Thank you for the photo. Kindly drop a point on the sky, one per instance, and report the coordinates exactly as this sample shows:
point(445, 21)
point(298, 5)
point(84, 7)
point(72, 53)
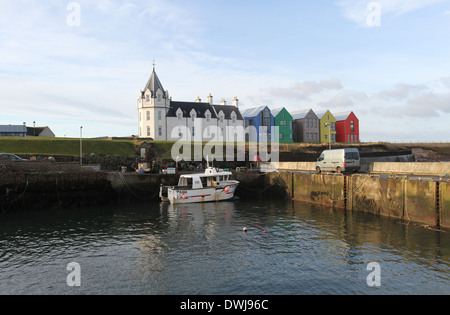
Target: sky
point(66, 64)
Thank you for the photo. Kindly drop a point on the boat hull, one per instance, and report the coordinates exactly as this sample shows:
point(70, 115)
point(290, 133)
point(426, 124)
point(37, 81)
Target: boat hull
point(208, 194)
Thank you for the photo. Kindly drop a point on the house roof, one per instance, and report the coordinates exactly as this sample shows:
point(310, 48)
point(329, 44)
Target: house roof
point(252, 112)
point(187, 107)
point(300, 114)
point(13, 128)
point(342, 116)
point(276, 111)
point(322, 113)
point(228, 110)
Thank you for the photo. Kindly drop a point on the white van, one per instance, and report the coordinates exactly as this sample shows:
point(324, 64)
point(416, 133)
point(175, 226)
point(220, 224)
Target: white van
point(341, 160)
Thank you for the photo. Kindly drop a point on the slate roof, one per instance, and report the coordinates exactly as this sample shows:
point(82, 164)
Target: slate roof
point(228, 110)
point(154, 84)
point(187, 107)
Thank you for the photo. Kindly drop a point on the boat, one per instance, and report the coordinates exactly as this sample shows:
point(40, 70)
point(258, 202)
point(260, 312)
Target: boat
point(212, 185)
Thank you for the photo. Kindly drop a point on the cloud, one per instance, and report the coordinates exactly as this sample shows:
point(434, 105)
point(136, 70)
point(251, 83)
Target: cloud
point(417, 100)
point(358, 10)
point(304, 90)
point(402, 91)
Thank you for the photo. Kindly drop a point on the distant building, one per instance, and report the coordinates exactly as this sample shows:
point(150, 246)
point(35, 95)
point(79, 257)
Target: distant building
point(283, 120)
point(347, 127)
point(258, 122)
point(305, 126)
point(40, 132)
point(327, 124)
point(19, 131)
point(162, 119)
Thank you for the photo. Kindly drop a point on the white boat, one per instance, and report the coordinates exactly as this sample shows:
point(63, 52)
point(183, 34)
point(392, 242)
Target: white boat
point(213, 185)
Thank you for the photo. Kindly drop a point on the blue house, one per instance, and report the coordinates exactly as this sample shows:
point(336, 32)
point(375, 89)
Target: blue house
point(262, 120)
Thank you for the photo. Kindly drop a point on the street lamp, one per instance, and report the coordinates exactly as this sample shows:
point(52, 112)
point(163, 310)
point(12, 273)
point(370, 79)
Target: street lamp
point(329, 135)
point(81, 145)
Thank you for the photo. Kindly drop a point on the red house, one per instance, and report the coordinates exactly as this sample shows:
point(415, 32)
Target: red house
point(347, 127)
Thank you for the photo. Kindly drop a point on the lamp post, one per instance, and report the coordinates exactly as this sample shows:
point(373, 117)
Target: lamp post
point(329, 135)
point(81, 145)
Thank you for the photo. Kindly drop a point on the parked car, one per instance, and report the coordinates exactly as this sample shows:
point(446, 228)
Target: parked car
point(340, 160)
point(11, 157)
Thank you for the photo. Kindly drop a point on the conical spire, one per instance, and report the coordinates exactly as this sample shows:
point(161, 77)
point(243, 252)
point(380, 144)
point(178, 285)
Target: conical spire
point(153, 83)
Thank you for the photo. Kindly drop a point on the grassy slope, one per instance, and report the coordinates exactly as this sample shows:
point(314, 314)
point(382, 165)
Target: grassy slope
point(66, 146)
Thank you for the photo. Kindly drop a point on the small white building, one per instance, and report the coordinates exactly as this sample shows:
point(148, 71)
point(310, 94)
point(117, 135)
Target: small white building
point(162, 119)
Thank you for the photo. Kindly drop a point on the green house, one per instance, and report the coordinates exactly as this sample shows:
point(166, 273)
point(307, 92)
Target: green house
point(283, 120)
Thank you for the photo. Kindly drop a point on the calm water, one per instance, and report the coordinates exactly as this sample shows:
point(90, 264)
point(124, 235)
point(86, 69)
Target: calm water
point(202, 249)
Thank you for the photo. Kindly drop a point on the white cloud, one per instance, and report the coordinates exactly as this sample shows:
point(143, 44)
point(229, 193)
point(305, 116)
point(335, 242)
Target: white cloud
point(304, 90)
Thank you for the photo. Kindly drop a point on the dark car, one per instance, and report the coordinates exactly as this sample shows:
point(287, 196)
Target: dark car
point(11, 157)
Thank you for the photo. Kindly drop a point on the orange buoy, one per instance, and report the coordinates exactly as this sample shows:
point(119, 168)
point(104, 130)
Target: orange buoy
point(184, 197)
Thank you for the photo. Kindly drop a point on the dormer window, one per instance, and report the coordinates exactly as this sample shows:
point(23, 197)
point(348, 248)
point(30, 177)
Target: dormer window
point(147, 98)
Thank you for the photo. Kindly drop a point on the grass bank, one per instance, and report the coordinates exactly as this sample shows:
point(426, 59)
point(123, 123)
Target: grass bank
point(67, 146)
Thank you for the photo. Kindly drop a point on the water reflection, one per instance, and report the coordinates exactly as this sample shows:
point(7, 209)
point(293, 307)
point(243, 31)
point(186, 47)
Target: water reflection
point(289, 248)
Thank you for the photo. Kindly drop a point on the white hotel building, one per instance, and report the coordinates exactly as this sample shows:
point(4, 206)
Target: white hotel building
point(161, 119)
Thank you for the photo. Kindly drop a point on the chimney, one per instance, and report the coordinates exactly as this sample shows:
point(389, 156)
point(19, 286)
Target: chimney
point(198, 100)
point(223, 102)
point(236, 102)
point(210, 99)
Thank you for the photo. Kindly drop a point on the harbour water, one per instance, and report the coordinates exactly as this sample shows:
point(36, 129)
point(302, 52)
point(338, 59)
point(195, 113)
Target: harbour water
point(290, 248)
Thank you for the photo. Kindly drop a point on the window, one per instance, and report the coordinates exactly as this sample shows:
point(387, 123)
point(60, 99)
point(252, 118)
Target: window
point(148, 115)
point(193, 131)
point(147, 98)
point(348, 139)
point(283, 123)
point(221, 118)
point(179, 132)
point(352, 126)
point(159, 115)
point(179, 115)
point(233, 119)
point(193, 117)
point(307, 136)
point(208, 117)
point(159, 97)
point(159, 131)
point(148, 132)
point(281, 136)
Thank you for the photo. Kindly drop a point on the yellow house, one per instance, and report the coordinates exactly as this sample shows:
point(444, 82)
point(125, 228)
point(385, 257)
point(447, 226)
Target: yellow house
point(327, 124)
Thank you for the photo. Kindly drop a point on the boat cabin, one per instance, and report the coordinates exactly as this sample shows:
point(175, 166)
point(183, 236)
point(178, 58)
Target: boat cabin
point(210, 178)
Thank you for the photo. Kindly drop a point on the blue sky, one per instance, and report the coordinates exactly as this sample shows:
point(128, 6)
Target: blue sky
point(318, 54)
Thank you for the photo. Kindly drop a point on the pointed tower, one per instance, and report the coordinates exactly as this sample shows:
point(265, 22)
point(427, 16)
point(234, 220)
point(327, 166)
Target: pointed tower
point(153, 104)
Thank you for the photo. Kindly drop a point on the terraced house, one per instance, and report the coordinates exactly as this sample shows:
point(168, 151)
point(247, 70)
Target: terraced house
point(283, 120)
point(327, 126)
point(306, 126)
